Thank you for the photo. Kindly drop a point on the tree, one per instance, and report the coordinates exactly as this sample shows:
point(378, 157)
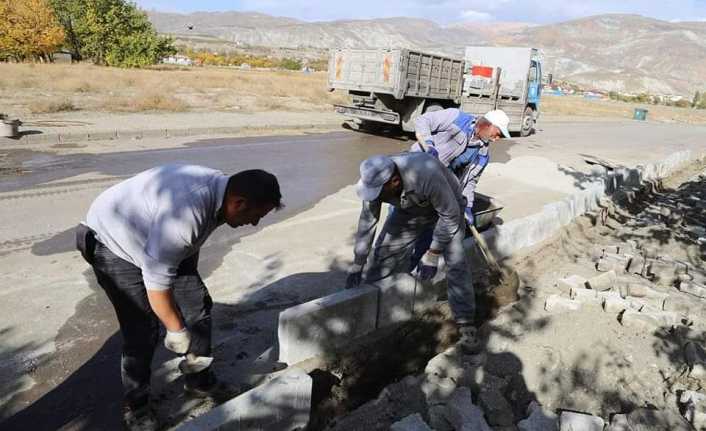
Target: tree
point(697, 100)
point(111, 32)
point(29, 30)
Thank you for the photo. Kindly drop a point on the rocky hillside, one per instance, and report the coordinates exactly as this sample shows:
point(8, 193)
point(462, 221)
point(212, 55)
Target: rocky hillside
point(628, 53)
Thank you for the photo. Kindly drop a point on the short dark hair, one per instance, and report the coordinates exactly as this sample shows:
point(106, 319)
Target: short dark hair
point(257, 186)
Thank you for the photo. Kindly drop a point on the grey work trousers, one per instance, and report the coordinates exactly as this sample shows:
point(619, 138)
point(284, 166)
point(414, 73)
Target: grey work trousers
point(394, 252)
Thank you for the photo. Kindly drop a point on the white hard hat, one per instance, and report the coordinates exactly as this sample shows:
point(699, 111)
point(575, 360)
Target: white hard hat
point(499, 119)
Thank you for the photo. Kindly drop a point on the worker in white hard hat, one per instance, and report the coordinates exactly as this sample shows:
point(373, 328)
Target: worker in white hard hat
point(461, 142)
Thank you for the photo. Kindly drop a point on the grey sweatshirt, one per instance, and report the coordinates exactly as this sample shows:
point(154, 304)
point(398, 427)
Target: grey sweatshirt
point(429, 188)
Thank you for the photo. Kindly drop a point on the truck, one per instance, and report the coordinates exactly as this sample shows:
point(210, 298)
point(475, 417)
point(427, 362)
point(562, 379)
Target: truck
point(394, 86)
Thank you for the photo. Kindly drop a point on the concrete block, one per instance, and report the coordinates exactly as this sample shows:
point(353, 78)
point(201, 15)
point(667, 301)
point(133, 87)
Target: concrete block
point(558, 304)
point(538, 419)
point(573, 281)
point(497, 409)
point(449, 363)
point(640, 290)
point(619, 423)
point(693, 288)
point(570, 421)
point(661, 271)
point(682, 307)
point(614, 262)
point(648, 319)
point(283, 403)
point(695, 358)
point(615, 305)
point(438, 390)
point(605, 281)
point(693, 407)
point(583, 295)
point(479, 379)
point(411, 423)
point(602, 296)
point(637, 264)
point(650, 419)
point(462, 414)
point(401, 296)
point(319, 327)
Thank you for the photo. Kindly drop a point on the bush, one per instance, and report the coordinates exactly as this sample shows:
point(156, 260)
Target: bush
point(290, 64)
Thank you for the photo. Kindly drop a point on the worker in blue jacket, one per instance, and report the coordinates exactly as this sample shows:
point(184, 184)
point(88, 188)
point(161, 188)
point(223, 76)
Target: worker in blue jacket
point(461, 141)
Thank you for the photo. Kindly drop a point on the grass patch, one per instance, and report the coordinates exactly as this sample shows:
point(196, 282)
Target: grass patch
point(154, 101)
point(577, 106)
point(52, 106)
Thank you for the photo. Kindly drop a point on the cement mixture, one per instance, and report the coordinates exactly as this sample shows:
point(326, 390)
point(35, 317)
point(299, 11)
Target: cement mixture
point(609, 329)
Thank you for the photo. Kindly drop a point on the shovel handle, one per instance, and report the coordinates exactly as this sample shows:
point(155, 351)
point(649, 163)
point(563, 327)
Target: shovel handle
point(484, 249)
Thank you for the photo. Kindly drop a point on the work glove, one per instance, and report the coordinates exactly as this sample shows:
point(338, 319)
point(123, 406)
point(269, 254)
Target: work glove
point(428, 265)
point(355, 276)
point(178, 341)
point(430, 148)
point(468, 215)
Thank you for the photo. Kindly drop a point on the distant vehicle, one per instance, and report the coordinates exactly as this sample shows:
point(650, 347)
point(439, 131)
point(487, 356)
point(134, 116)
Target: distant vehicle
point(394, 86)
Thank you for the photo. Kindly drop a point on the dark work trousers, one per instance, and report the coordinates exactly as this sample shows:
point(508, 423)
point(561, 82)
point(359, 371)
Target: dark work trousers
point(122, 282)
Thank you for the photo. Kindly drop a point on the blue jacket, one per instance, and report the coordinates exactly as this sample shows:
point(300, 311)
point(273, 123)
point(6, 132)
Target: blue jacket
point(451, 130)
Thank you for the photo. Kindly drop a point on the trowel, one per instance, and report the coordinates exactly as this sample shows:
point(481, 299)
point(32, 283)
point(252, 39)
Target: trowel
point(193, 364)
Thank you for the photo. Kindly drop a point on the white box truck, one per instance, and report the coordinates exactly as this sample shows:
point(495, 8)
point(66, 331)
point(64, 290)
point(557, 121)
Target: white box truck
point(394, 86)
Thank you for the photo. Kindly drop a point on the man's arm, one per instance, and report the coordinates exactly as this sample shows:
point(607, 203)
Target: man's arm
point(367, 224)
point(163, 305)
point(433, 122)
point(442, 197)
point(168, 244)
point(422, 128)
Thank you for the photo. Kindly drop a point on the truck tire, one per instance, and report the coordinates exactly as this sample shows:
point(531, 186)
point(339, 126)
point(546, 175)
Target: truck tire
point(527, 122)
point(432, 107)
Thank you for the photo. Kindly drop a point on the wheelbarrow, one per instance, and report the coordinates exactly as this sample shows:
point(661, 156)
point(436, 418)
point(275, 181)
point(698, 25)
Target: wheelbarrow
point(485, 209)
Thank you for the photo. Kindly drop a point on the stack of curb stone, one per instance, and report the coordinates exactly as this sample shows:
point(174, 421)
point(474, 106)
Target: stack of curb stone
point(641, 288)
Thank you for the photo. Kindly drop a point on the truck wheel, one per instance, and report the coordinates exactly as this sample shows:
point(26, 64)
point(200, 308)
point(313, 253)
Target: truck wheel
point(432, 107)
point(527, 122)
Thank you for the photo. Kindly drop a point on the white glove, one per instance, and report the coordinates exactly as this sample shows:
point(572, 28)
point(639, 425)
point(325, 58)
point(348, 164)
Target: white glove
point(178, 342)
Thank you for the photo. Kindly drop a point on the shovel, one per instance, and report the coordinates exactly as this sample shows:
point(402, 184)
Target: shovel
point(193, 364)
point(505, 282)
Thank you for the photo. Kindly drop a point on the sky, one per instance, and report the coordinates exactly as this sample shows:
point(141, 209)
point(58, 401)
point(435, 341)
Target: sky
point(444, 11)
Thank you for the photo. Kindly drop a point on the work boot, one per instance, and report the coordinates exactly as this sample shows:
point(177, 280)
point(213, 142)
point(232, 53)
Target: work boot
point(469, 342)
point(206, 385)
point(140, 418)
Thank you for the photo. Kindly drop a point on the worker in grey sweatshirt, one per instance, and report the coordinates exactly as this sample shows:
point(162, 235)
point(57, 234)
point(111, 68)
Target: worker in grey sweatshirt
point(461, 141)
point(425, 195)
point(142, 237)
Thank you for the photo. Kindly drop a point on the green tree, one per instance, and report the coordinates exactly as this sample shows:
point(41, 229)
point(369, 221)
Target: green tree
point(111, 32)
point(697, 99)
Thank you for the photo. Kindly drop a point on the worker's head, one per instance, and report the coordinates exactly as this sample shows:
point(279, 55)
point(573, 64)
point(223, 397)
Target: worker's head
point(250, 195)
point(492, 126)
point(379, 179)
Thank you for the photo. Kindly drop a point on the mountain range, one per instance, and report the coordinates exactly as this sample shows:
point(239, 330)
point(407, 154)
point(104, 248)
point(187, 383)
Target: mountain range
point(617, 52)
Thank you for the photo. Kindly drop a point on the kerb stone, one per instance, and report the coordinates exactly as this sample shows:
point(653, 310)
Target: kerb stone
point(318, 327)
point(283, 403)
